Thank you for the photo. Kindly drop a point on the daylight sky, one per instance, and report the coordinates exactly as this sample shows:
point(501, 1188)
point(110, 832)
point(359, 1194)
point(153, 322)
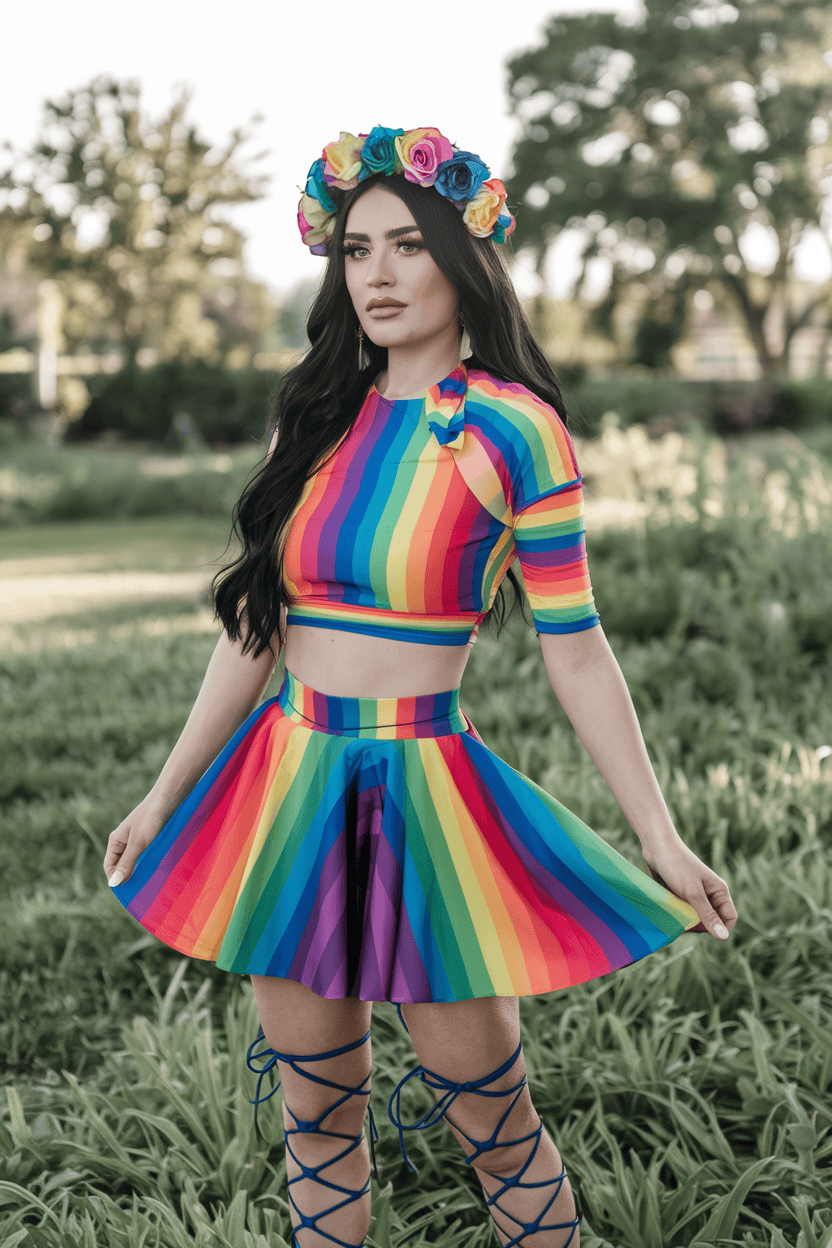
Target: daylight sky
point(311, 70)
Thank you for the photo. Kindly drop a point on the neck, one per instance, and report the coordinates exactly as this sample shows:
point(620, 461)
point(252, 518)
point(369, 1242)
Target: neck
point(411, 370)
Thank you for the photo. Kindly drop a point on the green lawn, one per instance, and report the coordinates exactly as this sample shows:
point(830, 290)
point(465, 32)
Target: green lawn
point(690, 1094)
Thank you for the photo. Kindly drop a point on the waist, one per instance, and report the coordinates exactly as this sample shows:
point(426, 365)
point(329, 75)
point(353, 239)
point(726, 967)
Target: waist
point(446, 629)
point(354, 664)
point(423, 715)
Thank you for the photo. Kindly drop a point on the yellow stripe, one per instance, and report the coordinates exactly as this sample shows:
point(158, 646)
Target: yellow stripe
point(482, 895)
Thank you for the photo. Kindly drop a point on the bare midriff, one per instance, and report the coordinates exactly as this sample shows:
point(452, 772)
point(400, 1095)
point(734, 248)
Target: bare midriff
point(355, 665)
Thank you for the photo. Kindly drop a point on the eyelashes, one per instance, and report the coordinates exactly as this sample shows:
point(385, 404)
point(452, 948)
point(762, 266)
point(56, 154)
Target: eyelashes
point(351, 249)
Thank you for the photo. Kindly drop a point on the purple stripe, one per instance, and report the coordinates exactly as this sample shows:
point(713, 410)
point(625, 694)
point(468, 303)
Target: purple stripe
point(550, 558)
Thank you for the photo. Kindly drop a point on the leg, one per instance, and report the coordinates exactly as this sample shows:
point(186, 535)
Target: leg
point(472, 1059)
point(322, 1051)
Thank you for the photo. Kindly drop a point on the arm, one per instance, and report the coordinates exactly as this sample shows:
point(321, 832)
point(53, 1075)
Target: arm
point(232, 688)
point(590, 686)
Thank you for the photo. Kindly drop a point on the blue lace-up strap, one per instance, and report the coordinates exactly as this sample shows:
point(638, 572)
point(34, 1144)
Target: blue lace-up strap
point(267, 1059)
point(450, 1091)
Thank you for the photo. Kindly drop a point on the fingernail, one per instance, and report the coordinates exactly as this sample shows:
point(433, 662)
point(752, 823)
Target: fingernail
point(117, 876)
point(722, 932)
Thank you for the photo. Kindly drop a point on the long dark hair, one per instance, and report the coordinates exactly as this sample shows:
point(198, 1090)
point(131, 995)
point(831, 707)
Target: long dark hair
point(320, 398)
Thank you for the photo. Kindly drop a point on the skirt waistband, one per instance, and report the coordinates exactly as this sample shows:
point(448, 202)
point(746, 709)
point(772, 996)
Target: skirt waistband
point(424, 715)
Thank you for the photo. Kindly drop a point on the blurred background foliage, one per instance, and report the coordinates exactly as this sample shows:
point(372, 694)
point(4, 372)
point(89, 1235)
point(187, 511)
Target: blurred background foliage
point(691, 148)
point(126, 214)
point(667, 140)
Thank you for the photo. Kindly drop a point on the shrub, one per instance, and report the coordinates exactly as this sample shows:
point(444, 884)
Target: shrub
point(651, 400)
point(223, 405)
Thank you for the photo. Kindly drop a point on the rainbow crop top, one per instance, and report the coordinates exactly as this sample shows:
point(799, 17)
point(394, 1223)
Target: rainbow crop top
point(412, 523)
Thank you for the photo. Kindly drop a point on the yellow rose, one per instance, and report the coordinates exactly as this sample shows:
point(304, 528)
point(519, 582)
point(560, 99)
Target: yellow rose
point(315, 223)
point(482, 212)
point(343, 160)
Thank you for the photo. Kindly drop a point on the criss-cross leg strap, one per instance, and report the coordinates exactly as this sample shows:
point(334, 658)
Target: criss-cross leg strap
point(268, 1058)
point(450, 1091)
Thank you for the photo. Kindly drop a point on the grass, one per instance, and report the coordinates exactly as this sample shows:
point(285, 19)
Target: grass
point(690, 1094)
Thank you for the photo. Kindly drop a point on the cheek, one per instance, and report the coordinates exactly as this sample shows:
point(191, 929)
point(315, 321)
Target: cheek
point(436, 294)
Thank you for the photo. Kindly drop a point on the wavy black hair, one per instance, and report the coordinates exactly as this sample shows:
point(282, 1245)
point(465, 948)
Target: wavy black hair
point(320, 398)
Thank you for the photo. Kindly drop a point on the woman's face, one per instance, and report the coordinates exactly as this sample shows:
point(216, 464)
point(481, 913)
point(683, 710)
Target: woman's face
point(387, 264)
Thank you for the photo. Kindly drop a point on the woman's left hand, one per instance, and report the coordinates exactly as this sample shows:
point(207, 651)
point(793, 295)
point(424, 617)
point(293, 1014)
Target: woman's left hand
point(678, 869)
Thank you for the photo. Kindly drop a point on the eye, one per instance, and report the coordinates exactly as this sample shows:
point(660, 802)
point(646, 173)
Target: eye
point(352, 249)
point(413, 243)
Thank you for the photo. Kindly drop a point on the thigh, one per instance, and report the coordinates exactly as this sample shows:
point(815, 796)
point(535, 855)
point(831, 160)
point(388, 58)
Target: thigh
point(299, 1022)
point(468, 1040)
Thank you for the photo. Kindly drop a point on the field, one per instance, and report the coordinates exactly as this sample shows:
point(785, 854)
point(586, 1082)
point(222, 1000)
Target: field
point(690, 1094)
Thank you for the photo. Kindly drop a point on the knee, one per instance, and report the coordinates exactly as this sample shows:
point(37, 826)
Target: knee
point(509, 1152)
point(489, 1144)
point(316, 1114)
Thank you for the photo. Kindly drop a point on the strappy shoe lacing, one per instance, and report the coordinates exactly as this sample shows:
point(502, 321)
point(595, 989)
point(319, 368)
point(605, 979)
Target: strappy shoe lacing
point(450, 1091)
point(268, 1058)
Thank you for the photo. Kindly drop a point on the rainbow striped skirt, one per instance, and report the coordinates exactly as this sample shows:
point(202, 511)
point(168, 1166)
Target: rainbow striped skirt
point(376, 848)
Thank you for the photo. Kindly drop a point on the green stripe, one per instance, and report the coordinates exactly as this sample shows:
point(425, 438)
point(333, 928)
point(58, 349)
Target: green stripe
point(457, 939)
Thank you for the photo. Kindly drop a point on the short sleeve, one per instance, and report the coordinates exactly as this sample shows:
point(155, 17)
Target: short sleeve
point(548, 518)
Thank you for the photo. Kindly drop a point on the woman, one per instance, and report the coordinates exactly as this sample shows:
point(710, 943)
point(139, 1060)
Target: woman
point(354, 840)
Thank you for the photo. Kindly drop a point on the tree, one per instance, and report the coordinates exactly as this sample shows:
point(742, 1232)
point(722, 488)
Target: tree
point(673, 142)
point(126, 215)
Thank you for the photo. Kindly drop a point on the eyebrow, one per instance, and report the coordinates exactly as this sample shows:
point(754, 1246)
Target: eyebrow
point(402, 229)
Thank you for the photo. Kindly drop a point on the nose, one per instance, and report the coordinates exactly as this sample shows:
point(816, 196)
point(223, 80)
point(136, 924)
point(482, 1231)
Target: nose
point(379, 272)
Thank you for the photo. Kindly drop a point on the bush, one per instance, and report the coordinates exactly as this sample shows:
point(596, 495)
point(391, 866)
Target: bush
point(223, 405)
point(724, 407)
point(653, 401)
point(806, 403)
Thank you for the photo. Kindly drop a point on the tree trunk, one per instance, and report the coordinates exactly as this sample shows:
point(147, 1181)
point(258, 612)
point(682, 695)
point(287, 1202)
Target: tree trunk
point(772, 367)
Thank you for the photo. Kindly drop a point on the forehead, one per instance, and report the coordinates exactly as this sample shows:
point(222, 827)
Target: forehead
point(378, 211)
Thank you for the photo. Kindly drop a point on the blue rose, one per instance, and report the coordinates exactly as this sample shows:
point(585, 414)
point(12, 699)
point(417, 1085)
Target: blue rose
point(460, 178)
point(379, 155)
point(503, 226)
point(317, 187)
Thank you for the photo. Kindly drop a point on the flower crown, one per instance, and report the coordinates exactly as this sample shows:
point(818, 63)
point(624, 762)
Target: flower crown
point(424, 156)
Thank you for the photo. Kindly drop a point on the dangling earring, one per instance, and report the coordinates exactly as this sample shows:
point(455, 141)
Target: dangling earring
point(363, 354)
point(465, 348)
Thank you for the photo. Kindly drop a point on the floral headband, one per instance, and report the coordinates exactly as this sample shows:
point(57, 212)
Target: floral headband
point(424, 156)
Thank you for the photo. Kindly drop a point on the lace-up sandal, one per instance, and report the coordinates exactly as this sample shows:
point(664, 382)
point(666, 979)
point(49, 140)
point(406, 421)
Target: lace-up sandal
point(450, 1091)
point(263, 1062)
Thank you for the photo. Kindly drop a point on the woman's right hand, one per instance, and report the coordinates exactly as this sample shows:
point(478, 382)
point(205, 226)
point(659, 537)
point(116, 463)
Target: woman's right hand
point(132, 835)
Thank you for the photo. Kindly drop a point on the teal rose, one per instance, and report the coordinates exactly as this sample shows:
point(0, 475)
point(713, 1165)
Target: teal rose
point(317, 188)
point(379, 154)
point(459, 178)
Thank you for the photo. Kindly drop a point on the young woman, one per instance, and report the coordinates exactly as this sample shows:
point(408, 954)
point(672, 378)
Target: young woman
point(353, 839)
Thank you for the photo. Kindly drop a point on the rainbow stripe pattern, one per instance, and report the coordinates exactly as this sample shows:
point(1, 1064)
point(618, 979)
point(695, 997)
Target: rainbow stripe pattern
point(376, 848)
point(410, 526)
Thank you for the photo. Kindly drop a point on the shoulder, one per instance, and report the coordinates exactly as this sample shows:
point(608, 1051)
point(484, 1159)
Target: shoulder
point(527, 432)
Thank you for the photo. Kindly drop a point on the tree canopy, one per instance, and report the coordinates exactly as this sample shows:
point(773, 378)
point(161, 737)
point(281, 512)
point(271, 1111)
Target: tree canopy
point(672, 142)
point(126, 213)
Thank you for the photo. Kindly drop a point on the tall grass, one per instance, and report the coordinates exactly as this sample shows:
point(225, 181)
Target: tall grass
point(690, 1094)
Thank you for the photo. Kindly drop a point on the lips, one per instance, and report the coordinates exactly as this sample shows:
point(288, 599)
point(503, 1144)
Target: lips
point(384, 303)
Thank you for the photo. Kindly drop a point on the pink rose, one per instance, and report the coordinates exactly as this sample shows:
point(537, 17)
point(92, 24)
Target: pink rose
point(421, 152)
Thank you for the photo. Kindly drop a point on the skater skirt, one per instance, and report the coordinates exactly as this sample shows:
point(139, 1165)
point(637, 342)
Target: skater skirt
point(376, 848)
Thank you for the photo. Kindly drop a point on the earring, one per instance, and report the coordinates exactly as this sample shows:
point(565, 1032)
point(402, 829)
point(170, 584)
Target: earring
point(465, 348)
point(363, 355)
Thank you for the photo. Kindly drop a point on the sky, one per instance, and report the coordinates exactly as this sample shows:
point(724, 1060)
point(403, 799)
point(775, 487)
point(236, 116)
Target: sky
point(310, 69)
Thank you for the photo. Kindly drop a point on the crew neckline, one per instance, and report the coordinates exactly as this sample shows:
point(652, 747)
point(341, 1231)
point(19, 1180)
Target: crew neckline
point(419, 394)
point(400, 398)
